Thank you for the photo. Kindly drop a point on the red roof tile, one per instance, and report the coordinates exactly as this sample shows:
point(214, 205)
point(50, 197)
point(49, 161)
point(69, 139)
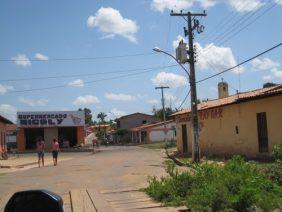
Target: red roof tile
point(145, 126)
point(236, 98)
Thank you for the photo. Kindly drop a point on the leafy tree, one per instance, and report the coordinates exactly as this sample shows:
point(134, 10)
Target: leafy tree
point(268, 84)
point(88, 115)
point(159, 113)
point(102, 117)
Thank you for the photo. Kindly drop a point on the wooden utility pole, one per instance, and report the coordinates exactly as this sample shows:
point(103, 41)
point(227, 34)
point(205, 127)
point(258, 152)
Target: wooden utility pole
point(192, 79)
point(163, 104)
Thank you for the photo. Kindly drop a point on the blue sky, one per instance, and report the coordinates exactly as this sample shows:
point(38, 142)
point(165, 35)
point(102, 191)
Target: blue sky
point(50, 30)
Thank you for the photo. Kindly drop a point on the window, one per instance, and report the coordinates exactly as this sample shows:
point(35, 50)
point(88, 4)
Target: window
point(144, 121)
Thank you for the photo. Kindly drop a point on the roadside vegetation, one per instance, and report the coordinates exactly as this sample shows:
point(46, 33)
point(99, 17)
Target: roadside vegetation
point(159, 145)
point(235, 186)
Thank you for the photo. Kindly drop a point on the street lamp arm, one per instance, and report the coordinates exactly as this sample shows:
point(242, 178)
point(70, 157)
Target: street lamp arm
point(159, 50)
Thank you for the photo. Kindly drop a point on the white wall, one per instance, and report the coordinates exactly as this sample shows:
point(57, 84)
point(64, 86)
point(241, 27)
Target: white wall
point(157, 135)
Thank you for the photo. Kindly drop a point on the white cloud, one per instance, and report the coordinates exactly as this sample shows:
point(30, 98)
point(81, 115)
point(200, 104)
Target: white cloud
point(276, 73)
point(216, 57)
point(177, 5)
point(111, 22)
point(175, 43)
point(162, 5)
point(207, 3)
point(119, 97)
point(87, 99)
point(278, 1)
point(169, 97)
point(21, 60)
point(5, 88)
point(153, 101)
point(267, 78)
point(33, 102)
point(264, 64)
point(117, 113)
point(245, 5)
point(8, 111)
point(169, 79)
point(76, 83)
point(40, 56)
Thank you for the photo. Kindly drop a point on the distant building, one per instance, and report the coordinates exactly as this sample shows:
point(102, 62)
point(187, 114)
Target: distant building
point(65, 126)
point(4, 128)
point(101, 127)
point(134, 120)
point(247, 123)
point(149, 133)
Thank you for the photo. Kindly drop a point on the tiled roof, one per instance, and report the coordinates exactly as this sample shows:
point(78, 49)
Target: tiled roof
point(4, 120)
point(145, 126)
point(236, 98)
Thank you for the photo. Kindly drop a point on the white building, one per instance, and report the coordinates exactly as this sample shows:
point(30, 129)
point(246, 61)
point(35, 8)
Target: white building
point(148, 133)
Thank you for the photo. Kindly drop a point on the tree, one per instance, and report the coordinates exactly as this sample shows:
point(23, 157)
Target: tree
point(88, 115)
point(159, 113)
point(268, 84)
point(102, 117)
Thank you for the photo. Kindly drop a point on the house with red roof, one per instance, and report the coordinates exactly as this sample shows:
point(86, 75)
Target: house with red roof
point(247, 123)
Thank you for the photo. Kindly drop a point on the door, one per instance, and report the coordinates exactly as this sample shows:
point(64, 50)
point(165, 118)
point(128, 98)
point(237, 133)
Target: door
point(262, 132)
point(184, 138)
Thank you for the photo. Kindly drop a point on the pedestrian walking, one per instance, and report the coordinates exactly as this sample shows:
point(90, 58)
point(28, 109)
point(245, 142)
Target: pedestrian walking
point(40, 150)
point(55, 151)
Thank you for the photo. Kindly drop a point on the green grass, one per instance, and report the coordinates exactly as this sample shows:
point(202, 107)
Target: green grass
point(158, 145)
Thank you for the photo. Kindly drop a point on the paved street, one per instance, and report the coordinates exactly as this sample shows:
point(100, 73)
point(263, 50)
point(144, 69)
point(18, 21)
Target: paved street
point(112, 169)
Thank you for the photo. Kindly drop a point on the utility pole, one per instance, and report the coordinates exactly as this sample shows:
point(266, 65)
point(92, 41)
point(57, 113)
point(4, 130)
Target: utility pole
point(189, 17)
point(163, 104)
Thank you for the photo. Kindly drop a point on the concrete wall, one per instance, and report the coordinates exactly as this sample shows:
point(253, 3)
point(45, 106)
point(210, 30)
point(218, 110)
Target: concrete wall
point(135, 120)
point(50, 133)
point(158, 134)
point(218, 128)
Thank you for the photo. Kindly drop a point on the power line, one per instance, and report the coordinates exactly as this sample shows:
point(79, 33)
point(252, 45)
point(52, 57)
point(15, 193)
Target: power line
point(184, 100)
point(78, 58)
point(227, 19)
point(241, 21)
point(248, 60)
point(87, 82)
point(228, 36)
point(248, 24)
point(84, 75)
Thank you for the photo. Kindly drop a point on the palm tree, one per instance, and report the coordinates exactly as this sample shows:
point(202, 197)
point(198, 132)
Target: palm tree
point(102, 117)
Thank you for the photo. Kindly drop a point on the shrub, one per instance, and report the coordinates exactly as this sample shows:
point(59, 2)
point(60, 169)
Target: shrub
point(236, 186)
point(277, 152)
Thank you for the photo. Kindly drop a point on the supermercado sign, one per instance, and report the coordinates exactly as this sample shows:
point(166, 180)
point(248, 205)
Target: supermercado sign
point(50, 119)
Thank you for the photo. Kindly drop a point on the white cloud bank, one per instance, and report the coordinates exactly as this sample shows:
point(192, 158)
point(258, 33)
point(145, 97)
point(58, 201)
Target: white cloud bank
point(5, 88)
point(117, 113)
point(264, 64)
point(8, 111)
point(76, 83)
point(110, 22)
point(217, 58)
point(169, 79)
point(40, 56)
point(21, 60)
point(152, 101)
point(33, 102)
point(177, 5)
point(86, 100)
point(119, 97)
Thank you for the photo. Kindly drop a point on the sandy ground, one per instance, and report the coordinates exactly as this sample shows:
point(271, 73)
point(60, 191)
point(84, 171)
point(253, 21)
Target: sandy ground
point(112, 168)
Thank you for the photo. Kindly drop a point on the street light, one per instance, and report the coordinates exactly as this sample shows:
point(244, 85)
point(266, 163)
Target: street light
point(157, 49)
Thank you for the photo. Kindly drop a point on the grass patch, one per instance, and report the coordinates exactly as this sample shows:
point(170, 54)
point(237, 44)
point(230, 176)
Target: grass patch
point(235, 186)
point(159, 145)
